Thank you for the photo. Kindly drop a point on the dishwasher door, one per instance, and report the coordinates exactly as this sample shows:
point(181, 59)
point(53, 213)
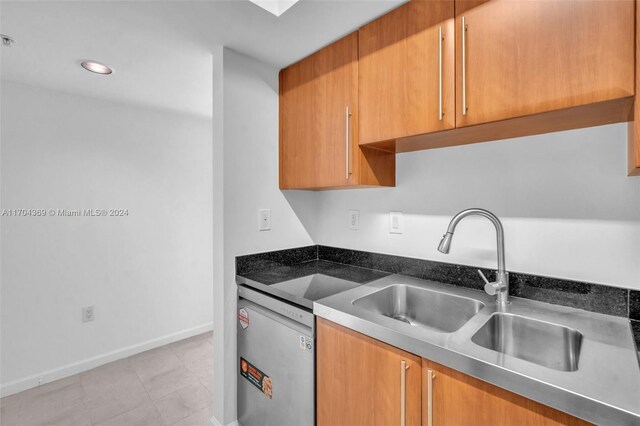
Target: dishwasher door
point(276, 367)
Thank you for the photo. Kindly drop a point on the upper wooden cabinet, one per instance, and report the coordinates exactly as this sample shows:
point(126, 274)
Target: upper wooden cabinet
point(361, 381)
point(406, 72)
point(451, 398)
point(525, 57)
point(319, 124)
point(525, 67)
point(419, 78)
point(633, 156)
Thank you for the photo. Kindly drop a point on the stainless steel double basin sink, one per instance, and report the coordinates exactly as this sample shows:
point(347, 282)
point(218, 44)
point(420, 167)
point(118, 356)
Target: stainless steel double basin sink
point(543, 343)
point(580, 362)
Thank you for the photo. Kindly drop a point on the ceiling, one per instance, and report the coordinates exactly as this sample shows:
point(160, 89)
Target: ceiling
point(160, 50)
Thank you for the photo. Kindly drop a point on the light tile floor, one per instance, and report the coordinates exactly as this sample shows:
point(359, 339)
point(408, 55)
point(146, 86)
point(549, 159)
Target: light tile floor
point(168, 386)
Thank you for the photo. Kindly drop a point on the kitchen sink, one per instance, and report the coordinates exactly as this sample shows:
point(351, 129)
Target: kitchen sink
point(420, 307)
point(543, 343)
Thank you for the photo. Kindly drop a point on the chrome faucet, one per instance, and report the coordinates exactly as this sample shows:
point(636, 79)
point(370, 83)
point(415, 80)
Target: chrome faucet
point(501, 286)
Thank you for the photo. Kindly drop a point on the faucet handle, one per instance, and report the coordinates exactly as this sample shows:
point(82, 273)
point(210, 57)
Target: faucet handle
point(492, 288)
point(486, 281)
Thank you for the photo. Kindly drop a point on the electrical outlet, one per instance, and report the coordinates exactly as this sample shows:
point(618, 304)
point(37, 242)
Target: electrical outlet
point(396, 225)
point(354, 219)
point(88, 314)
point(265, 220)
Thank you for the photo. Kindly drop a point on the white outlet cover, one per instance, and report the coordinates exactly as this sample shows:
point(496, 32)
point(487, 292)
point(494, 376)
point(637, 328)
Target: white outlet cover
point(354, 219)
point(265, 220)
point(396, 223)
point(88, 314)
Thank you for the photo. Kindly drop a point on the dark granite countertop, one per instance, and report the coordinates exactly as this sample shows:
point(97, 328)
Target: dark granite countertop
point(302, 283)
point(275, 266)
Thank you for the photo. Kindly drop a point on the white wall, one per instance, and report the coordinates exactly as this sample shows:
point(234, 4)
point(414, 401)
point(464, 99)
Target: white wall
point(149, 274)
point(246, 180)
point(567, 206)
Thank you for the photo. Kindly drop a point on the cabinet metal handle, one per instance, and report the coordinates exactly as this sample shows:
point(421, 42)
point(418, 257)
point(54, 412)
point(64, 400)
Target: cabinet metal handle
point(347, 145)
point(403, 392)
point(430, 377)
point(464, 66)
point(440, 38)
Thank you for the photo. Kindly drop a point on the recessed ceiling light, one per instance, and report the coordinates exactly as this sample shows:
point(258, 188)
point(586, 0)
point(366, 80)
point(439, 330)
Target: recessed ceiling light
point(96, 67)
point(7, 40)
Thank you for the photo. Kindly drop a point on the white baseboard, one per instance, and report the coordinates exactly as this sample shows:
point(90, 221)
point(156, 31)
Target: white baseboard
point(215, 422)
point(96, 361)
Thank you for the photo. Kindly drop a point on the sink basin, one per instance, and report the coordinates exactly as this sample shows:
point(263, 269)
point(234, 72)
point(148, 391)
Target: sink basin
point(543, 343)
point(420, 307)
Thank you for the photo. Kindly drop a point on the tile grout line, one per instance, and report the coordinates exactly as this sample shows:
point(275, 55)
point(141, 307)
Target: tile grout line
point(147, 393)
point(191, 372)
point(134, 408)
point(185, 367)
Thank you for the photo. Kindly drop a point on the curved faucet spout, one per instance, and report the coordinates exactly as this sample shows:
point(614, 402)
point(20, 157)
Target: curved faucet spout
point(501, 286)
point(484, 213)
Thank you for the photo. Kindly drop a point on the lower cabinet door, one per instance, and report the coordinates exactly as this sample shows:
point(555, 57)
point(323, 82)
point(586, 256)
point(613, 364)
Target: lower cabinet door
point(452, 398)
point(362, 381)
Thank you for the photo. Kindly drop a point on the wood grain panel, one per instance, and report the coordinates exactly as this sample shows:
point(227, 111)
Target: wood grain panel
point(358, 380)
point(399, 71)
point(461, 400)
point(633, 133)
point(314, 95)
point(525, 57)
point(377, 168)
point(614, 111)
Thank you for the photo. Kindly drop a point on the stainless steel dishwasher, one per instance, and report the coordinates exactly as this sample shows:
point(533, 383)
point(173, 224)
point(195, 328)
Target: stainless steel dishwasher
point(276, 365)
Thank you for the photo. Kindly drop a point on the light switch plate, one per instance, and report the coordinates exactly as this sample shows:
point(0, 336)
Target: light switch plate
point(396, 223)
point(265, 220)
point(88, 314)
point(354, 219)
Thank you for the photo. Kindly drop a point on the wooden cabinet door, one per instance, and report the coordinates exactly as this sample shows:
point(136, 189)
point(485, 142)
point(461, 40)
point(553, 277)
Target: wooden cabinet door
point(406, 72)
point(633, 133)
point(522, 57)
point(315, 95)
point(461, 400)
point(359, 380)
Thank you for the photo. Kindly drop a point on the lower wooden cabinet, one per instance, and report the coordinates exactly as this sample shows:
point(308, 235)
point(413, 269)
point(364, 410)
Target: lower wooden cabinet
point(362, 381)
point(459, 400)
